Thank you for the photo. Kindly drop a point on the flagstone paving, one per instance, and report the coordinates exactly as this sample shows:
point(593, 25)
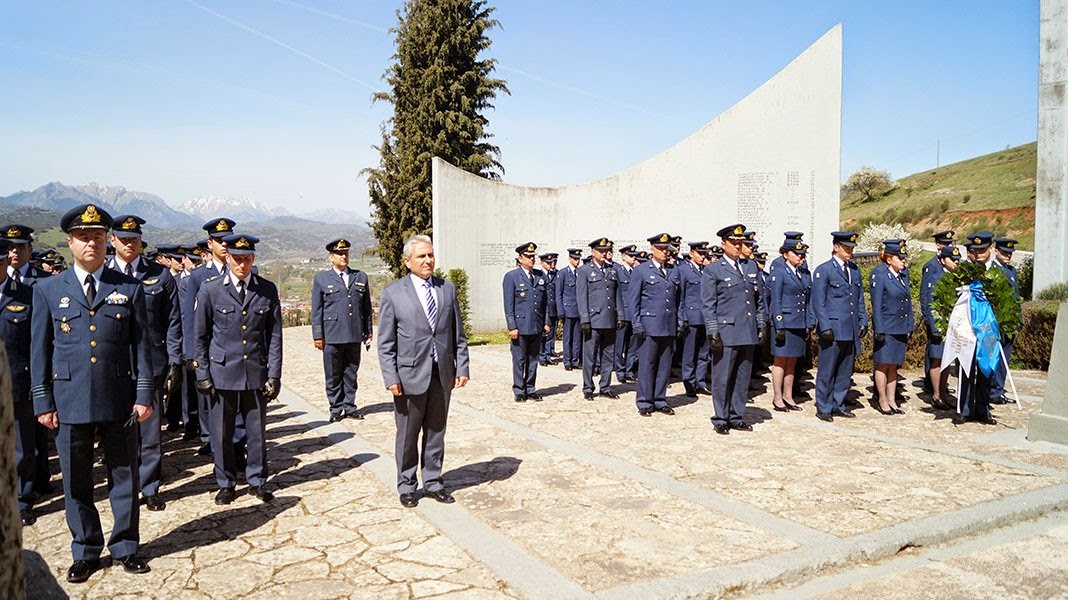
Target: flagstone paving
point(572, 498)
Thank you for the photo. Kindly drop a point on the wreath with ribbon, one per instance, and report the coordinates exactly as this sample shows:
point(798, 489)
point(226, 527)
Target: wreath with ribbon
point(996, 287)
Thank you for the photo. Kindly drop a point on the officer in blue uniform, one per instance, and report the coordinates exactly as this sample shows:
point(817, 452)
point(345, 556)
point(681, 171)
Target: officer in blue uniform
point(735, 322)
point(164, 327)
point(191, 413)
point(600, 306)
point(933, 269)
point(91, 377)
point(1003, 249)
point(626, 360)
point(790, 238)
point(949, 257)
point(214, 265)
point(837, 303)
point(341, 321)
point(172, 258)
point(974, 401)
point(526, 299)
point(548, 347)
point(238, 356)
point(567, 308)
point(653, 302)
point(16, 304)
point(789, 287)
point(22, 270)
point(892, 323)
point(696, 363)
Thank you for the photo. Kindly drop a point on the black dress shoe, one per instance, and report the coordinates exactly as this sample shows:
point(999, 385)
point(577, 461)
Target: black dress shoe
point(82, 569)
point(645, 412)
point(824, 417)
point(520, 398)
point(723, 429)
point(535, 397)
point(847, 414)
point(441, 495)
point(588, 396)
point(543, 363)
point(897, 411)
point(959, 419)
point(259, 492)
point(336, 418)
point(610, 394)
point(888, 411)
point(44, 489)
point(794, 407)
point(988, 421)
point(225, 496)
point(999, 400)
point(27, 517)
point(782, 408)
point(155, 503)
point(409, 500)
point(173, 427)
point(354, 415)
point(204, 450)
point(704, 392)
point(667, 410)
point(742, 426)
point(190, 435)
point(568, 367)
point(134, 564)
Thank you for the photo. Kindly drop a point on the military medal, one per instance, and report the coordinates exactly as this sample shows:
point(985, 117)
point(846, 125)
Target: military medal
point(64, 327)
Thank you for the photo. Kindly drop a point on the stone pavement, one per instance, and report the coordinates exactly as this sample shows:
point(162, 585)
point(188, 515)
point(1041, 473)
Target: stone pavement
point(570, 498)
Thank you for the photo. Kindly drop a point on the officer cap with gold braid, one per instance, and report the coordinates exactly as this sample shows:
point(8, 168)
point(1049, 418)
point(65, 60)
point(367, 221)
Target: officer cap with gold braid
point(219, 228)
point(574, 252)
point(980, 240)
point(950, 252)
point(662, 240)
point(944, 237)
point(527, 248)
point(601, 244)
point(698, 246)
point(127, 226)
point(241, 243)
point(17, 234)
point(845, 238)
point(340, 245)
point(1005, 244)
point(85, 216)
point(732, 232)
point(629, 250)
point(793, 245)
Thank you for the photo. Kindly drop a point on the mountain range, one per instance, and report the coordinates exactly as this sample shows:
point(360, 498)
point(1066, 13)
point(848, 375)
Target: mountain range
point(285, 234)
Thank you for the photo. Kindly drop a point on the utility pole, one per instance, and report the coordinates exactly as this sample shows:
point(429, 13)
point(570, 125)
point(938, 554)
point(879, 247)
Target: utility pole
point(938, 153)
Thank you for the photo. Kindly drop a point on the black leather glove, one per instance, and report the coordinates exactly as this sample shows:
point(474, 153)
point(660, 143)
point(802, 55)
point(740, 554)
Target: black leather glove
point(271, 387)
point(621, 324)
point(715, 342)
point(639, 337)
point(863, 330)
point(684, 328)
point(878, 338)
point(585, 327)
point(206, 386)
point(827, 336)
point(173, 380)
point(936, 338)
point(762, 336)
point(189, 364)
point(780, 337)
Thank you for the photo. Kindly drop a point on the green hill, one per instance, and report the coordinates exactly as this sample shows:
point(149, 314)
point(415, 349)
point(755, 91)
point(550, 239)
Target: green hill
point(995, 192)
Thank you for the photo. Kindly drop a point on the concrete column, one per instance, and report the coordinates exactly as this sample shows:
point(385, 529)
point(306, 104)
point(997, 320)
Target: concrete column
point(11, 582)
point(1051, 425)
point(1051, 202)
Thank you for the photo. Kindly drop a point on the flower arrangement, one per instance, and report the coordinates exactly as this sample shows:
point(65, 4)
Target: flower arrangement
point(996, 287)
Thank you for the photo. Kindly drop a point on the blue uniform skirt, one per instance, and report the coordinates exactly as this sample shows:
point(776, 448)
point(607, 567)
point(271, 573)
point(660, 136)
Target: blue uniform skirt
point(792, 347)
point(934, 351)
point(892, 350)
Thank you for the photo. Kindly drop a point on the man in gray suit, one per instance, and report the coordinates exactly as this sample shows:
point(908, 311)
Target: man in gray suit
point(423, 353)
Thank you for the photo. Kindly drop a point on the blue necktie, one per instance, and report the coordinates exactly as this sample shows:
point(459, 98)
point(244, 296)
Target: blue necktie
point(431, 315)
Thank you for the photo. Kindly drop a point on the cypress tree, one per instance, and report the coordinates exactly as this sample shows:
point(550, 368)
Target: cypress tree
point(439, 88)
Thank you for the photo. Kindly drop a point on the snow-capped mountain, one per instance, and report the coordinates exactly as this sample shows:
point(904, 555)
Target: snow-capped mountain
point(335, 215)
point(115, 199)
point(241, 209)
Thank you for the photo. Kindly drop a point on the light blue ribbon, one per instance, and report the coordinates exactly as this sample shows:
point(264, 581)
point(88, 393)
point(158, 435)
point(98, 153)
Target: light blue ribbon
point(987, 335)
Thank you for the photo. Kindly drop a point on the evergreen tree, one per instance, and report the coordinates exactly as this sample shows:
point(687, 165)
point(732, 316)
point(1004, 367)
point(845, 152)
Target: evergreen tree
point(438, 88)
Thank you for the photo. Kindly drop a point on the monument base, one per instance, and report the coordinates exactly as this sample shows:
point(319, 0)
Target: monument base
point(1051, 425)
point(1048, 428)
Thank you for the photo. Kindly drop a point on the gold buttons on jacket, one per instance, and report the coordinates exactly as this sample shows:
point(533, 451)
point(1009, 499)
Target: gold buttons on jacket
point(92, 313)
point(92, 344)
point(92, 360)
point(92, 328)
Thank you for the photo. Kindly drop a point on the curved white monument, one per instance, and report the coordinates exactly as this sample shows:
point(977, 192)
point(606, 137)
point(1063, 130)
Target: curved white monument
point(771, 161)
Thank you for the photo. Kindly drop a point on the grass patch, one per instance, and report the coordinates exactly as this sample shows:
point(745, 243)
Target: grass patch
point(483, 339)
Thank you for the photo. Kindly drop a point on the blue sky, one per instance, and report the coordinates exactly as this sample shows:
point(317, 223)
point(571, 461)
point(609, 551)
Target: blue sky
point(271, 98)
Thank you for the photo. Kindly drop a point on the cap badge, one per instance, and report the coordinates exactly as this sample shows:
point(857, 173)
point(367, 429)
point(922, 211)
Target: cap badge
point(664, 238)
point(222, 226)
point(129, 224)
point(949, 235)
point(342, 245)
point(977, 240)
point(14, 232)
point(90, 215)
point(241, 243)
point(739, 230)
point(853, 238)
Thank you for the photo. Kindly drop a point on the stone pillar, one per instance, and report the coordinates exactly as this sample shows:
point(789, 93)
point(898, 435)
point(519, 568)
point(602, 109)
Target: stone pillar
point(1051, 425)
point(1051, 200)
point(11, 582)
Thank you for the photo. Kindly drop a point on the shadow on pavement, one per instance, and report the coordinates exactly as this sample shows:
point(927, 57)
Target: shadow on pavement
point(40, 582)
point(217, 527)
point(560, 388)
point(498, 469)
point(381, 407)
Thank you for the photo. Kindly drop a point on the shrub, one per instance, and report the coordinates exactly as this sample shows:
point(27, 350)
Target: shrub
point(871, 237)
point(944, 206)
point(1035, 343)
point(1026, 277)
point(459, 278)
point(906, 216)
point(966, 199)
point(888, 216)
point(1057, 292)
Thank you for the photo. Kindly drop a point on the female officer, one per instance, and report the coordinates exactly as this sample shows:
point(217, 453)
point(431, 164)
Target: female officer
point(947, 260)
point(790, 286)
point(892, 322)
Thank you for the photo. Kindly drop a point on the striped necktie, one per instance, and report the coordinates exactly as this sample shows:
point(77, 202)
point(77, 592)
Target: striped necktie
point(431, 317)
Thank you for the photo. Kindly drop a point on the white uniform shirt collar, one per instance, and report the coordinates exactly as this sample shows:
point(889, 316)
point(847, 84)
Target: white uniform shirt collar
point(121, 264)
point(234, 279)
point(80, 273)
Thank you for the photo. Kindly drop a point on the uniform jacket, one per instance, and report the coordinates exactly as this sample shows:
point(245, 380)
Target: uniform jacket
point(931, 275)
point(238, 346)
point(1010, 274)
point(164, 313)
point(789, 290)
point(550, 293)
point(599, 295)
point(90, 363)
point(16, 306)
point(653, 300)
point(33, 275)
point(526, 301)
point(188, 299)
point(405, 338)
point(891, 304)
point(688, 277)
point(624, 275)
point(566, 296)
point(731, 304)
point(838, 303)
point(340, 315)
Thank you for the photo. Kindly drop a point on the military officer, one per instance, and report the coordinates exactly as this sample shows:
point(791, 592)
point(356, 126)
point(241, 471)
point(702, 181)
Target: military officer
point(974, 401)
point(695, 363)
point(238, 356)
point(548, 347)
point(837, 303)
point(91, 376)
point(16, 303)
point(215, 264)
point(788, 287)
point(567, 308)
point(341, 321)
point(600, 303)
point(1003, 249)
point(715, 252)
point(933, 269)
point(735, 323)
point(164, 328)
point(950, 257)
point(892, 323)
point(653, 303)
point(626, 360)
point(526, 299)
point(790, 238)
